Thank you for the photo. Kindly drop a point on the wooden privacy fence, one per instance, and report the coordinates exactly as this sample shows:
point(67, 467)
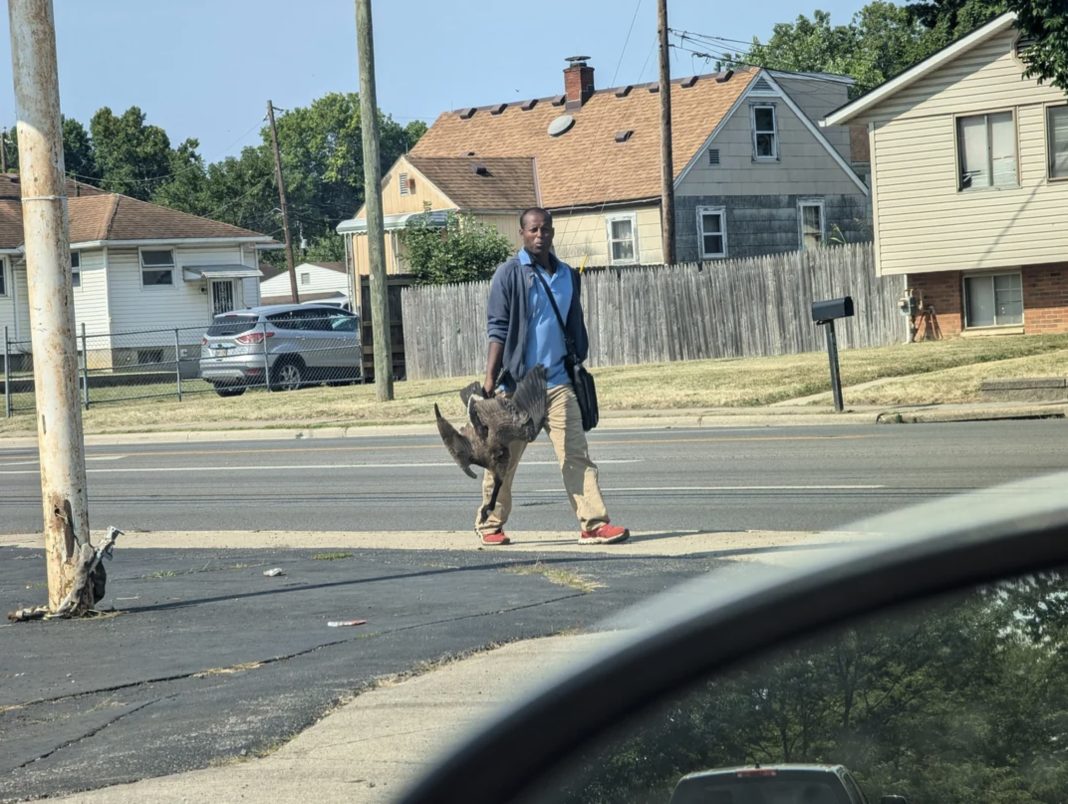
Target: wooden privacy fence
point(732, 308)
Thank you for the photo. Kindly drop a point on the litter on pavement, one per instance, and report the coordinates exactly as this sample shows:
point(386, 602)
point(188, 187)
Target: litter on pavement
point(343, 623)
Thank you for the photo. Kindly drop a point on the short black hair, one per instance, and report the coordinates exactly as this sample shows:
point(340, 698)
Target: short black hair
point(532, 210)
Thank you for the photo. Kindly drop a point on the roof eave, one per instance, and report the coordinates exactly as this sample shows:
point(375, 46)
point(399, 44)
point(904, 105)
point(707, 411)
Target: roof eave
point(875, 96)
point(174, 241)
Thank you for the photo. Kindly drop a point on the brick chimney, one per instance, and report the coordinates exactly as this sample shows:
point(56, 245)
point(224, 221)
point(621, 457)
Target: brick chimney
point(578, 82)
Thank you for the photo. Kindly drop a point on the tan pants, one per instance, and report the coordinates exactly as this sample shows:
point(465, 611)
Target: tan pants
point(564, 425)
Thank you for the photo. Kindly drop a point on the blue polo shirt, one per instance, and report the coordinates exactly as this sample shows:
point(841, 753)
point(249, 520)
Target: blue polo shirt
point(545, 337)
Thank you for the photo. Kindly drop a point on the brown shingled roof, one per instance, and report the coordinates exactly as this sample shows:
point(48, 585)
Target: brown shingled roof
point(587, 165)
point(501, 182)
point(97, 215)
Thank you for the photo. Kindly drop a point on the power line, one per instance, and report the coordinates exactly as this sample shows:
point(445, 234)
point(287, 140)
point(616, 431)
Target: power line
point(626, 42)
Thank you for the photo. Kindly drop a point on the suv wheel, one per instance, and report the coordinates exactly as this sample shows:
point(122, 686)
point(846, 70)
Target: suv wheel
point(286, 376)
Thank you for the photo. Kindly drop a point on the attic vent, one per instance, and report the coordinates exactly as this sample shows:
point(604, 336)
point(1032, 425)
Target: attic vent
point(530, 104)
point(560, 100)
point(762, 85)
point(654, 88)
point(470, 153)
point(499, 109)
point(481, 170)
point(689, 82)
point(1023, 44)
point(713, 156)
point(561, 125)
point(622, 92)
point(467, 114)
point(623, 136)
point(723, 79)
point(404, 184)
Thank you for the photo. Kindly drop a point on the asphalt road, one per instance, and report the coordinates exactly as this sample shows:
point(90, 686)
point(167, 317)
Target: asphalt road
point(783, 478)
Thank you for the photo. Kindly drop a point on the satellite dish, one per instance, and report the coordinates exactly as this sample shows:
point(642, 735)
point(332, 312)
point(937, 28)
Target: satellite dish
point(560, 125)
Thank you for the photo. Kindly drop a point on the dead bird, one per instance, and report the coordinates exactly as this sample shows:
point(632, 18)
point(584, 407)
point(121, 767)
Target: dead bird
point(494, 424)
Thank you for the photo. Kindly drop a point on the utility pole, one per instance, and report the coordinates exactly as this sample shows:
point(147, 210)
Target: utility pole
point(372, 185)
point(51, 300)
point(282, 200)
point(667, 171)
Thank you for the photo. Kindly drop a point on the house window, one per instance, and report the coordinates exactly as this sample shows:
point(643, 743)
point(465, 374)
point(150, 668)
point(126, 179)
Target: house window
point(993, 300)
point(3, 277)
point(157, 267)
point(712, 229)
point(986, 146)
point(305, 278)
point(622, 240)
point(404, 187)
point(810, 219)
point(1057, 125)
point(75, 269)
point(765, 134)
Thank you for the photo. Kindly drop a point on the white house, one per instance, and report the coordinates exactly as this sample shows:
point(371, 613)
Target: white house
point(316, 281)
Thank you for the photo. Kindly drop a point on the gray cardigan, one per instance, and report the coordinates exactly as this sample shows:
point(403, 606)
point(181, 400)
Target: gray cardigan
point(506, 313)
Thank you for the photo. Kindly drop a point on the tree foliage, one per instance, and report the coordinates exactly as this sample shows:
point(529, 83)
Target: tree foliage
point(465, 250)
point(1046, 23)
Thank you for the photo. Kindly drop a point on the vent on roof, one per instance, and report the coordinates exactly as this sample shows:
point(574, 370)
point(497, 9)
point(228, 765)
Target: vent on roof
point(467, 114)
point(559, 100)
point(623, 136)
point(470, 153)
point(622, 92)
point(654, 88)
point(762, 85)
point(725, 77)
point(713, 156)
point(499, 109)
point(561, 125)
point(689, 82)
point(530, 104)
point(481, 170)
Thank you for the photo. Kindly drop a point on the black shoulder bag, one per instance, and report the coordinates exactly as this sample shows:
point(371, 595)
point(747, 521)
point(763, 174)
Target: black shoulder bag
point(581, 380)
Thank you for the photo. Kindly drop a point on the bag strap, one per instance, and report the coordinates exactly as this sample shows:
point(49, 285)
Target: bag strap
point(568, 343)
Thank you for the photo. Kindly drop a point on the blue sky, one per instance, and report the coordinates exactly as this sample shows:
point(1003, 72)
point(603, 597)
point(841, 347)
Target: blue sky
point(206, 68)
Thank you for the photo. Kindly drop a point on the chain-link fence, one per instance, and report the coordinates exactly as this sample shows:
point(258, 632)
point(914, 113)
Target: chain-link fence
point(237, 352)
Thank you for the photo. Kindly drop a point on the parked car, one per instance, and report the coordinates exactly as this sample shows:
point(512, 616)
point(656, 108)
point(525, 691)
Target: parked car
point(283, 346)
point(758, 784)
point(929, 654)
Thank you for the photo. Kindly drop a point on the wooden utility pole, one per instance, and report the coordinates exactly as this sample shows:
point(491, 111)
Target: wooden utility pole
point(667, 170)
point(290, 264)
point(372, 185)
point(51, 301)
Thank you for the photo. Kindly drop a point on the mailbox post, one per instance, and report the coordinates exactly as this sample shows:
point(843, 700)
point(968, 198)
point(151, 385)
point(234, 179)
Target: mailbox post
point(825, 313)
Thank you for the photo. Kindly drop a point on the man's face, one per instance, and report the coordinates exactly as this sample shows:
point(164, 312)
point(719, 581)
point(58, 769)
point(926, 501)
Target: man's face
point(537, 234)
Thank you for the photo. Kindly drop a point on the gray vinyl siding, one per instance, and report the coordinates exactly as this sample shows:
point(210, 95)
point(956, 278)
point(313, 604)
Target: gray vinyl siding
point(768, 224)
point(817, 99)
point(804, 164)
point(924, 223)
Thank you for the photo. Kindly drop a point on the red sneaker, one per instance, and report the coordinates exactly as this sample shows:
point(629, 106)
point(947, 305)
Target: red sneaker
point(494, 539)
point(606, 534)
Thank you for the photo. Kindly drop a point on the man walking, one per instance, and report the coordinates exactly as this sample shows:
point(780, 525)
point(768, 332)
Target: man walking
point(523, 331)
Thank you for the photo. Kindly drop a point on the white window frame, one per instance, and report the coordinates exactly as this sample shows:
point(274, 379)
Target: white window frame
point(75, 269)
point(802, 203)
point(774, 131)
point(609, 220)
point(993, 275)
point(1051, 151)
point(172, 267)
point(722, 233)
point(957, 121)
point(3, 277)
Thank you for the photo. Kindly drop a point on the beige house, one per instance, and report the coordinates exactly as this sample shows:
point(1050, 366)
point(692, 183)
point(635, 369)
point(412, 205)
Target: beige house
point(754, 174)
point(970, 185)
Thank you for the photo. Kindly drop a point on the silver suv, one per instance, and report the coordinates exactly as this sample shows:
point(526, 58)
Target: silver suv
point(280, 345)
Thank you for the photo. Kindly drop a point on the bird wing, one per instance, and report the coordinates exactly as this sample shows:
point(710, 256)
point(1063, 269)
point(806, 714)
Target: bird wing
point(529, 401)
point(456, 443)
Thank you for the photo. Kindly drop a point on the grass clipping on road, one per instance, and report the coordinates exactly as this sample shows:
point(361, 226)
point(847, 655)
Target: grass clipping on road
point(918, 373)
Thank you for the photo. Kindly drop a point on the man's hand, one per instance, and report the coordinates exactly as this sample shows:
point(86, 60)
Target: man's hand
point(487, 390)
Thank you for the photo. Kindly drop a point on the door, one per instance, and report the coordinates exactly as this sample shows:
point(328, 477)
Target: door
point(222, 296)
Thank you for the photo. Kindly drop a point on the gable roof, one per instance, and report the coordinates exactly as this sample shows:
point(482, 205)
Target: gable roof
point(98, 216)
point(587, 164)
point(917, 71)
point(471, 182)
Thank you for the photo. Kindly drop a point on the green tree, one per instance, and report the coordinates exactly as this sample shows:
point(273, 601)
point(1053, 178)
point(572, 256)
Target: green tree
point(79, 156)
point(133, 158)
point(186, 185)
point(1046, 23)
point(465, 250)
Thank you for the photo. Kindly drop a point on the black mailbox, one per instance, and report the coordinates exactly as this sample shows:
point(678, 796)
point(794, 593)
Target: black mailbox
point(830, 309)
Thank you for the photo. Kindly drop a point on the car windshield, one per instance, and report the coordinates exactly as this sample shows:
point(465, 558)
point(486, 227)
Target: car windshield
point(231, 325)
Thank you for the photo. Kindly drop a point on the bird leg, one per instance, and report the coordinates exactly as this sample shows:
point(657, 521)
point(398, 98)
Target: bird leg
point(485, 512)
